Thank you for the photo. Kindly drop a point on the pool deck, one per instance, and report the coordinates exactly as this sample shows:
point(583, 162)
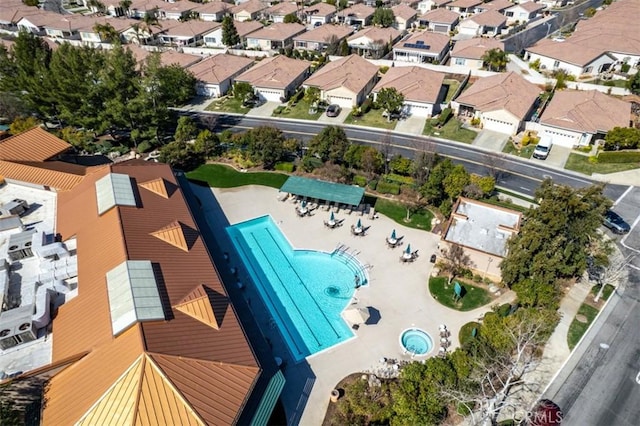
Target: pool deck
point(398, 291)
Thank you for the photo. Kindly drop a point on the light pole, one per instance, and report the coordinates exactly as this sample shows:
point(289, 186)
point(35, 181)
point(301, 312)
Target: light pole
point(486, 272)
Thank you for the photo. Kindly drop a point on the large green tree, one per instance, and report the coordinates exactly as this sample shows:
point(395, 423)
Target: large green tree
point(265, 145)
point(330, 144)
point(495, 59)
point(555, 239)
point(230, 35)
point(383, 17)
point(390, 101)
point(633, 84)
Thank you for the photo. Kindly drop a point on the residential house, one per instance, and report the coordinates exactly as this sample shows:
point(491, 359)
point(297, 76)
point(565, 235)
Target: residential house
point(214, 38)
point(215, 74)
point(109, 7)
point(464, 7)
point(275, 79)
point(497, 5)
point(167, 57)
point(439, 20)
point(319, 38)
point(213, 10)
point(146, 281)
point(482, 230)
point(177, 10)
point(423, 47)
point(12, 11)
point(502, 102)
point(275, 36)
point(469, 53)
point(405, 16)
point(248, 11)
point(277, 12)
point(554, 4)
point(490, 23)
point(372, 42)
point(188, 33)
point(576, 118)
point(346, 81)
point(89, 35)
point(576, 59)
point(427, 5)
point(318, 14)
point(140, 8)
point(359, 14)
point(51, 24)
point(522, 13)
point(422, 89)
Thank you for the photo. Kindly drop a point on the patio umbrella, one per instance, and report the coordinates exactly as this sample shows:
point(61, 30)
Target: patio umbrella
point(408, 249)
point(393, 235)
point(332, 218)
point(303, 204)
point(359, 224)
point(356, 315)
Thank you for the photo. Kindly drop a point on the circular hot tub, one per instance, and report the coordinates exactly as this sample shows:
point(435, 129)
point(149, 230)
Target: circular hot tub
point(416, 342)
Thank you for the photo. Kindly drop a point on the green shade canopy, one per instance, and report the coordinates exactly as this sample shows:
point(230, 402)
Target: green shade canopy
point(322, 190)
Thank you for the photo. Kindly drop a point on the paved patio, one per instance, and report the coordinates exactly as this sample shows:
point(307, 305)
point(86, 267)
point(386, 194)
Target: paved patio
point(396, 290)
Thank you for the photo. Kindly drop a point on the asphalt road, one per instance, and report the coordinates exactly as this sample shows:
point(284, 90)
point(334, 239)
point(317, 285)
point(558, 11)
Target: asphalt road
point(515, 174)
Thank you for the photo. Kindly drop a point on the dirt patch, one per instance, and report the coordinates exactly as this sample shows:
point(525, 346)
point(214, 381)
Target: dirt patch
point(581, 318)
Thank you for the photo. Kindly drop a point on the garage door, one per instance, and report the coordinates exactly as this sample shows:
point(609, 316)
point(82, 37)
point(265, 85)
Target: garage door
point(270, 95)
point(419, 110)
point(441, 28)
point(344, 102)
point(498, 126)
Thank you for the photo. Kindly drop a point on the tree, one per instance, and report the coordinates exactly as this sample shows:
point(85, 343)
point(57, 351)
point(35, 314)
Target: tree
point(622, 138)
point(433, 189)
point(230, 37)
point(344, 49)
point(207, 143)
point(265, 145)
point(333, 45)
point(291, 18)
point(555, 239)
point(330, 144)
point(22, 124)
point(241, 89)
point(312, 95)
point(107, 33)
point(151, 21)
point(455, 181)
point(400, 165)
point(590, 12)
point(186, 129)
point(454, 261)
point(372, 160)
point(390, 101)
point(633, 84)
point(181, 155)
point(495, 59)
point(383, 17)
point(561, 77)
point(486, 184)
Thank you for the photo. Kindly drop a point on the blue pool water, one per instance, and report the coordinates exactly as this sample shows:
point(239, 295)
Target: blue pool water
point(305, 291)
point(416, 341)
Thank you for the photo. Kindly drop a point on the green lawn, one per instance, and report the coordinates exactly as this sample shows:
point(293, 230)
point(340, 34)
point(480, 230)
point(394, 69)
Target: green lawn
point(221, 176)
point(608, 289)
point(452, 89)
point(228, 104)
point(466, 331)
point(577, 328)
point(610, 83)
point(373, 118)
point(300, 110)
point(525, 152)
point(580, 163)
point(453, 130)
point(474, 297)
point(398, 212)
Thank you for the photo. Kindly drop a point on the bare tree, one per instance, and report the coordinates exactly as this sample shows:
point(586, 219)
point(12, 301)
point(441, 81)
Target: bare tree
point(454, 260)
point(615, 271)
point(495, 164)
point(385, 149)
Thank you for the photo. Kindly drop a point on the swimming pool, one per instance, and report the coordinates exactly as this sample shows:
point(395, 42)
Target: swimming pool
point(304, 290)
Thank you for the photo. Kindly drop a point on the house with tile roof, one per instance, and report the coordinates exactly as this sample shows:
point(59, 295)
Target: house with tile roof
point(502, 102)
point(153, 308)
point(12, 11)
point(319, 38)
point(489, 23)
point(318, 14)
point(215, 74)
point(576, 118)
point(427, 5)
point(405, 16)
point(188, 33)
point(422, 89)
point(423, 47)
point(89, 35)
point(249, 10)
point(276, 78)
point(277, 12)
point(372, 42)
point(358, 14)
point(576, 59)
point(176, 10)
point(139, 8)
point(439, 20)
point(497, 5)
point(464, 7)
point(523, 12)
point(469, 52)
point(213, 10)
point(214, 38)
point(275, 36)
point(346, 81)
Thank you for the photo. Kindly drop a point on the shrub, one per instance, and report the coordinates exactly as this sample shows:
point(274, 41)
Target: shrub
point(373, 184)
point(388, 188)
point(285, 167)
point(475, 121)
point(361, 181)
point(384, 69)
point(394, 178)
point(445, 115)
point(144, 146)
point(279, 109)
point(366, 106)
point(477, 278)
point(625, 67)
point(504, 310)
point(618, 157)
point(535, 65)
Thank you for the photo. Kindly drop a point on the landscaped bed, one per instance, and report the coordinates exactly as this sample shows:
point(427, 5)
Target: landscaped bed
point(524, 152)
point(300, 111)
point(473, 296)
point(580, 324)
point(228, 104)
point(580, 163)
point(373, 118)
point(398, 212)
point(452, 130)
point(222, 176)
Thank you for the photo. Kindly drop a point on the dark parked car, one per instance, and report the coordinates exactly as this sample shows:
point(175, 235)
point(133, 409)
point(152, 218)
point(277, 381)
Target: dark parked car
point(333, 110)
point(613, 221)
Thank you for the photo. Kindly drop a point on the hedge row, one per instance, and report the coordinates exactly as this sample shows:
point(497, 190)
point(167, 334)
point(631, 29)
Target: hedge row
point(285, 167)
point(619, 157)
point(396, 178)
point(388, 188)
point(360, 181)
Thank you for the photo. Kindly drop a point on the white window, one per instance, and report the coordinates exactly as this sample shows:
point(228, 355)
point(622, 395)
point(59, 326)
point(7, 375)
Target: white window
point(460, 61)
point(556, 64)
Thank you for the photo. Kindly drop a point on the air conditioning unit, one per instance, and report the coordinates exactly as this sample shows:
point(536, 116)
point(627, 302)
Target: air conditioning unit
point(20, 245)
point(16, 327)
point(14, 207)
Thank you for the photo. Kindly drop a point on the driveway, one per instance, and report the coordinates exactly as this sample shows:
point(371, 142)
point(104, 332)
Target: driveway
point(491, 140)
point(558, 156)
point(334, 120)
point(264, 110)
point(413, 125)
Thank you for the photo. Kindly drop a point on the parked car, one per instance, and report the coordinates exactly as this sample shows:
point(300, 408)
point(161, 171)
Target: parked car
point(613, 221)
point(541, 151)
point(333, 110)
